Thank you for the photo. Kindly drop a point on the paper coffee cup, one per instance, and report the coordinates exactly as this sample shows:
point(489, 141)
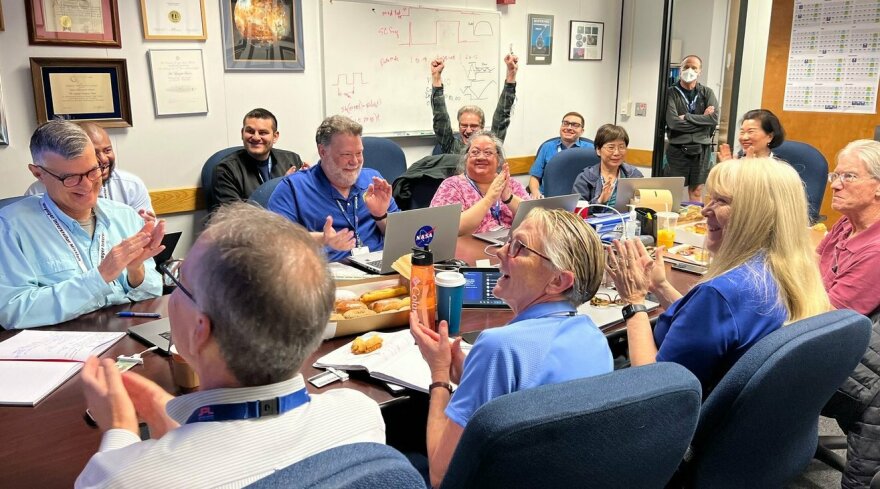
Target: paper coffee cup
point(450, 293)
point(184, 376)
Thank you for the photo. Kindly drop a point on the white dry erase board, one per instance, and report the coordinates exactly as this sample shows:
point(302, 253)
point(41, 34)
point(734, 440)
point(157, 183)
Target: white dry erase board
point(377, 63)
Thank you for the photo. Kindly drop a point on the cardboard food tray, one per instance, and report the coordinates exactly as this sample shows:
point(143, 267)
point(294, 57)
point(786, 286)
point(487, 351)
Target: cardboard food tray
point(683, 236)
point(379, 321)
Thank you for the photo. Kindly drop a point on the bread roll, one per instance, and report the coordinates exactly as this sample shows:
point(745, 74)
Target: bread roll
point(386, 305)
point(336, 317)
point(360, 346)
point(386, 293)
point(343, 306)
point(342, 294)
point(358, 313)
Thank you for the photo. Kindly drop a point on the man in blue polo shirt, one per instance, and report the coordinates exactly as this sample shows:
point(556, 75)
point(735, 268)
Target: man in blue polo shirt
point(569, 137)
point(341, 203)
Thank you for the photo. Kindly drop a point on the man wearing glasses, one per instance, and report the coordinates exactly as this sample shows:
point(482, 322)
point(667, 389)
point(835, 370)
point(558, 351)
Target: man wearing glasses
point(341, 203)
point(470, 117)
point(66, 252)
point(116, 184)
point(569, 137)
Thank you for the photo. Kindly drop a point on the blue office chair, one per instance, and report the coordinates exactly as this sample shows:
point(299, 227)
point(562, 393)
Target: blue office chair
point(812, 167)
point(758, 427)
point(263, 192)
point(355, 466)
point(628, 428)
point(208, 173)
point(563, 169)
point(584, 140)
point(385, 156)
point(10, 200)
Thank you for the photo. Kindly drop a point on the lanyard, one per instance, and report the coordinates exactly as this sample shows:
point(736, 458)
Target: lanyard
point(357, 236)
point(691, 104)
point(105, 190)
point(495, 210)
point(69, 241)
point(268, 172)
point(250, 409)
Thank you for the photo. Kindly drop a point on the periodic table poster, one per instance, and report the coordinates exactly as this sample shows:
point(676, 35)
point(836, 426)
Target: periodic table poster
point(834, 59)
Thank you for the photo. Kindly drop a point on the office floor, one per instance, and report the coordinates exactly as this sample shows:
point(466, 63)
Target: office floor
point(819, 475)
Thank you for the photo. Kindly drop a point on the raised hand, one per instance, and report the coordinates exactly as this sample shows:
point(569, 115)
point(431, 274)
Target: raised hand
point(131, 253)
point(723, 153)
point(630, 269)
point(377, 198)
point(512, 62)
point(607, 190)
point(437, 72)
point(338, 240)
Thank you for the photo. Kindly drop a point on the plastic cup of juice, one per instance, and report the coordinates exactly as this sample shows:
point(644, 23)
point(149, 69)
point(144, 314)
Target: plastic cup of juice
point(666, 222)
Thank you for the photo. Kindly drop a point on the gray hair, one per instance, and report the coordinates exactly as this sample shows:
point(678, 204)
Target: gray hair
point(472, 109)
point(336, 124)
point(572, 244)
point(499, 148)
point(61, 137)
point(265, 284)
point(868, 151)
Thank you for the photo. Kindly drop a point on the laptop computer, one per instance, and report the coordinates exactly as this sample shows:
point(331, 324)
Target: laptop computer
point(499, 236)
point(626, 189)
point(436, 227)
point(154, 333)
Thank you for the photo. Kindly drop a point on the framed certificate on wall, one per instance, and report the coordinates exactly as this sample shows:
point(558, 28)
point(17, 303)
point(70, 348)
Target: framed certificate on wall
point(174, 20)
point(73, 23)
point(82, 89)
point(178, 77)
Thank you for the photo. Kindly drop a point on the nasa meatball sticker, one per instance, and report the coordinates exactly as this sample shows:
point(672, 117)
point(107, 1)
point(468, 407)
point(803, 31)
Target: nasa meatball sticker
point(424, 236)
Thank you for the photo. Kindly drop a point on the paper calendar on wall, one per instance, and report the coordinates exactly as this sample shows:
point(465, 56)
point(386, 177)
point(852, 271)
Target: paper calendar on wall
point(834, 58)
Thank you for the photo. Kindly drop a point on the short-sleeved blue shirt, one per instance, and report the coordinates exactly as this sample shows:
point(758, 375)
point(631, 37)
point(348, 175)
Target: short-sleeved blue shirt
point(545, 344)
point(547, 151)
point(711, 327)
point(307, 198)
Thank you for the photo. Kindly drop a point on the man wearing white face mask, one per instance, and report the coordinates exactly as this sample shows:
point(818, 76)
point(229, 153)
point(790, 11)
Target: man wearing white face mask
point(691, 118)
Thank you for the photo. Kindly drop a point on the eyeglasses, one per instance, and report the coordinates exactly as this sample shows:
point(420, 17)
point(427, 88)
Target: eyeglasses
point(488, 153)
point(168, 273)
point(611, 148)
point(601, 299)
point(516, 247)
point(843, 177)
point(74, 179)
point(575, 125)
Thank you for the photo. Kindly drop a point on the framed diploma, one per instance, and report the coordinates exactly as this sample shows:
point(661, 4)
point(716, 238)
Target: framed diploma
point(174, 20)
point(73, 22)
point(178, 77)
point(262, 36)
point(82, 89)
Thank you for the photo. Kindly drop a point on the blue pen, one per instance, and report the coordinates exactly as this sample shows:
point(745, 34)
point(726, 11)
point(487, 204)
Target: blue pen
point(130, 314)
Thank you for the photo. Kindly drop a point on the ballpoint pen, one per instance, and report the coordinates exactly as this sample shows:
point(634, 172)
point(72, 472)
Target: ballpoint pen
point(131, 314)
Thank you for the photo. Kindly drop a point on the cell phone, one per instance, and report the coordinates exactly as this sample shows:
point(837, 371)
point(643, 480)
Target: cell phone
point(687, 267)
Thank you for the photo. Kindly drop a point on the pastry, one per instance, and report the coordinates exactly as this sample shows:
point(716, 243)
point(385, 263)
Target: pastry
point(384, 305)
point(386, 293)
point(358, 313)
point(345, 305)
point(336, 317)
point(360, 346)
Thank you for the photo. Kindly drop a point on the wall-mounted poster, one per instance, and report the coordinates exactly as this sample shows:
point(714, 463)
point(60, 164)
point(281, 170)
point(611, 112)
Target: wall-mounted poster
point(82, 89)
point(174, 20)
point(93, 23)
point(585, 41)
point(540, 39)
point(262, 35)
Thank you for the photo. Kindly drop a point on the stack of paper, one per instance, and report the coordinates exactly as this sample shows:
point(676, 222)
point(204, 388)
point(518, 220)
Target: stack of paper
point(35, 363)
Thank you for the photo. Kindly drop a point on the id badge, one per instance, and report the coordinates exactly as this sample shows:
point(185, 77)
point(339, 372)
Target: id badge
point(361, 250)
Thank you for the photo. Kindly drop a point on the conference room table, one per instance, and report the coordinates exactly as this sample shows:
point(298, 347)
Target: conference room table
point(48, 445)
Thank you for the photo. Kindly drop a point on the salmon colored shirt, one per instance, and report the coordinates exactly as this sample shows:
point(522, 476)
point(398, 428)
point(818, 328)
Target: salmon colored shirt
point(849, 266)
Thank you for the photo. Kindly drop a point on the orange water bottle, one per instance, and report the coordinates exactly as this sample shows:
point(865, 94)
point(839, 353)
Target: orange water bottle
point(423, 295)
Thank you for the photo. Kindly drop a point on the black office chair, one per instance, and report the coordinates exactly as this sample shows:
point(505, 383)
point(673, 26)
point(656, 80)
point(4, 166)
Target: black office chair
point(562, 170)
point(208, 173)
point(261, 195)
point(384, 156)
point(758, 427)
point(628, 428)
point(812, 167)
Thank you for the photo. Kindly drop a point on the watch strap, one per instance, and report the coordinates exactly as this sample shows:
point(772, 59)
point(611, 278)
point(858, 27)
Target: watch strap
point(631, 310)
point(445, 385)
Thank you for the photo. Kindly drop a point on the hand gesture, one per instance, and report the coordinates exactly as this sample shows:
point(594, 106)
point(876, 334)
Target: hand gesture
point(442, 357)
point(709, 110)
point(631, 268)
point(497, 188)
point(751, 152)
point(131, 253)
point(147, 215)
point(338, 240)
point(607, 190)
point(377, 198)
point(106, 397)
point(437, 71)
point(723, 153)
point(512, 62)
point(149, 401)
point(506, 192)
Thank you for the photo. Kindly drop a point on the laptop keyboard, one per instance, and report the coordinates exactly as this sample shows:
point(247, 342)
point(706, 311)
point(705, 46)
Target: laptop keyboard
point(375, 263)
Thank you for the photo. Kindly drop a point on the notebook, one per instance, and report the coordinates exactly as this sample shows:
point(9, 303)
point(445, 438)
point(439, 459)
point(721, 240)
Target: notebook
point(499, 236)
point(35, 363)
point(436, 227)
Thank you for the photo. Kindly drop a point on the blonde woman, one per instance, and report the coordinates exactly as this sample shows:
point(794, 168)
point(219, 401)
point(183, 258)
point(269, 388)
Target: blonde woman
point(763, 274)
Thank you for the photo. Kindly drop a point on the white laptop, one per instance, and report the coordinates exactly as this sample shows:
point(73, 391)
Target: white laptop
point(436, 227)
point(499, 236)
point(626, 189)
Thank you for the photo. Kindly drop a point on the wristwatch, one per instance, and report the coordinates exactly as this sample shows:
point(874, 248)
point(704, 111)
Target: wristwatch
point(630, 310)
